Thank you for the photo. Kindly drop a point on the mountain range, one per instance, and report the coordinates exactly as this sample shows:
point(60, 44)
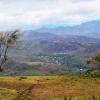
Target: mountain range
point(91, 29)
point(54, 50)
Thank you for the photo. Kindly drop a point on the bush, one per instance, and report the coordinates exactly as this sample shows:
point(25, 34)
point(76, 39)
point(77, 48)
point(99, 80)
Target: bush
point(22, 77)
point(25, 98)
point(97, 57)
point(88, 62)
point(92, 73)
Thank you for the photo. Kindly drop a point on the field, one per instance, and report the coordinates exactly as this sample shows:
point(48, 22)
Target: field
point(58, 87)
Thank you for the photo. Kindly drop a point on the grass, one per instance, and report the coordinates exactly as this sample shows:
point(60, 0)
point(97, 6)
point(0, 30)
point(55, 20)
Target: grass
point(55, 87)
point(35, 63)
point(78, 97)
point(7, 94)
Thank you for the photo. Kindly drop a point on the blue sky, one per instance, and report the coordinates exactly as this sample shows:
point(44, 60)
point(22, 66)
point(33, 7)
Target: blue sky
point(43, 13)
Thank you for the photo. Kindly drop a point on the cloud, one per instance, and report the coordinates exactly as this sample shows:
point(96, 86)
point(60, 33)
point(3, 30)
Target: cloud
point(45, 12)
point(82, 0)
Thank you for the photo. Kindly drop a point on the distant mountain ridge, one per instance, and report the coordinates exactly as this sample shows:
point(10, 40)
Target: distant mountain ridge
point(59, 40)
point(90, 29)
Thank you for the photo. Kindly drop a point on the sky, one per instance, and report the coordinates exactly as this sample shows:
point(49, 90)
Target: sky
point(47, 13)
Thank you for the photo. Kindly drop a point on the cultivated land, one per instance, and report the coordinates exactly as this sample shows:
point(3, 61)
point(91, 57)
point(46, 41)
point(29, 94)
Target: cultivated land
point(56, 87)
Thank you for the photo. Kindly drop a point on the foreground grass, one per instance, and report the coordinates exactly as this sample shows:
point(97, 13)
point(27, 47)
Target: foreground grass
point(7, 94)
point(58, 87)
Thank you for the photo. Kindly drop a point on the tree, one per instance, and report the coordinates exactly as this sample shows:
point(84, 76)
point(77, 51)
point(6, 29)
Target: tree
point(94, 62)
point(7, 40)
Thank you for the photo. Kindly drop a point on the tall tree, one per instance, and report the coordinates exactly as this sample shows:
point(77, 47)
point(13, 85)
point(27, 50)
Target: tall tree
point(7, 40)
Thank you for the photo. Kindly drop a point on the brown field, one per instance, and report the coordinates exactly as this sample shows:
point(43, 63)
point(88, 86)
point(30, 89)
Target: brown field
point(55, 87)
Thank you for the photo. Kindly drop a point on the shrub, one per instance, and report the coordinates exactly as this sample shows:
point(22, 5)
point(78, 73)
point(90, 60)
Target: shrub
point(22, 77)
point(88, 62)
point(25, 98)
point(92, 73)
point(97, 57)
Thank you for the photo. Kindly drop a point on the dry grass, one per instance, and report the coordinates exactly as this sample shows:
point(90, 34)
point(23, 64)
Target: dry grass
point(53, 86)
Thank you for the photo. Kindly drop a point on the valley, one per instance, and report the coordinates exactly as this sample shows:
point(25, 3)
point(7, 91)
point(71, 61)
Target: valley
point(37, 53)
point(49, 49)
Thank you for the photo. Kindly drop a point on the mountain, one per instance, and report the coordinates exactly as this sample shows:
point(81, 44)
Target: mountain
point(90, 29)
point(30, 35)
point(47, 51)
point(45, 43)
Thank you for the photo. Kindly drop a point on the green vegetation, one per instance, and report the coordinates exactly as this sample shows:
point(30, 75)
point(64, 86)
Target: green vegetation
point(92, 73)
point(63, 59)
point(25, 98)
point(97, 57)
point(22, 78)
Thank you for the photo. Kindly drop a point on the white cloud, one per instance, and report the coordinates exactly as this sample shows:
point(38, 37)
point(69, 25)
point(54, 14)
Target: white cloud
point(41, 12)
